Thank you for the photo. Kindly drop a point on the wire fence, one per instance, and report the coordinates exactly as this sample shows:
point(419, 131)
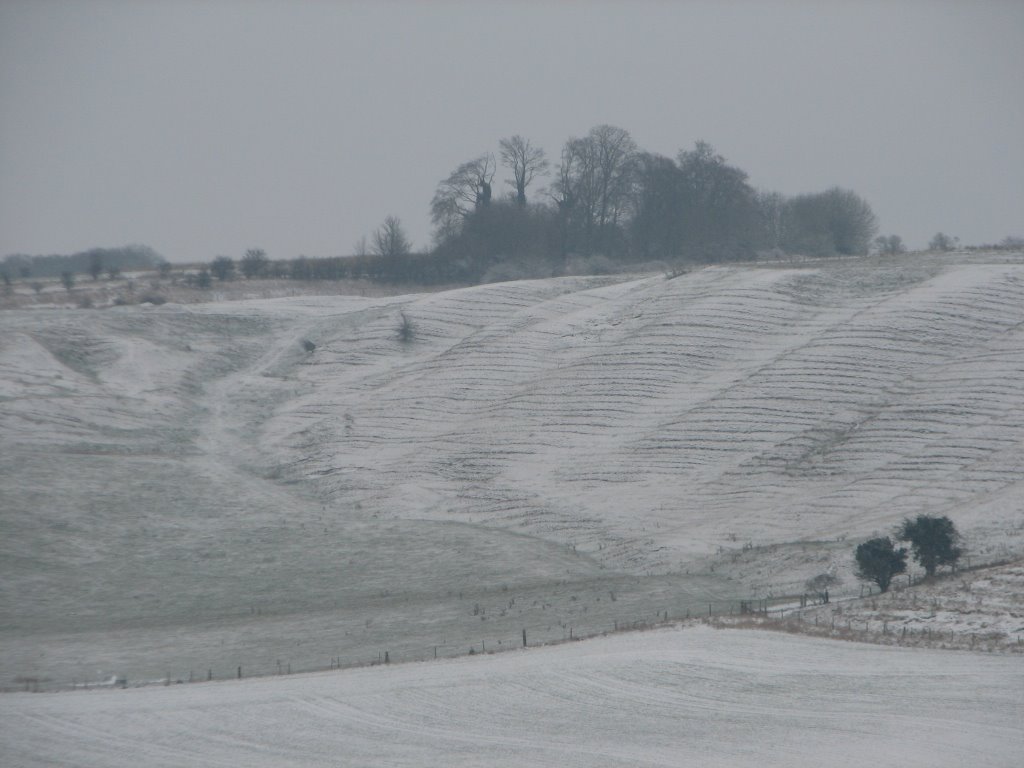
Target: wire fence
point(778, 607)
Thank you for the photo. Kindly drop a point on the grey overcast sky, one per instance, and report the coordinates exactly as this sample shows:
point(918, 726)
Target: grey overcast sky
point(205, 127)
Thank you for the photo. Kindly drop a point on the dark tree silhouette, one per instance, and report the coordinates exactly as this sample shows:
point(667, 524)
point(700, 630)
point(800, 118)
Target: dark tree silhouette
point(223, 267)
point(933, 541)
point(827, 223)
point(467, 189)
point(526, 162)
point(389, 240)
point(878, 561)
point(254, 263)
point(95, 265)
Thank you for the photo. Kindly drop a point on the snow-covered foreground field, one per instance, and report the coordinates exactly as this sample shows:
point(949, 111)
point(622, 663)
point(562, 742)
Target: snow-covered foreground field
point(190, 488)
point(696, 696)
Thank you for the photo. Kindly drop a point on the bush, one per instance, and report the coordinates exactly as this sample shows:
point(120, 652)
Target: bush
point(406, 329)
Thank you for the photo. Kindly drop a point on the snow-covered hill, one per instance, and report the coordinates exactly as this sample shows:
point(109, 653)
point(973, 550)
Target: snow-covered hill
point(667, 698)
point(573, 451)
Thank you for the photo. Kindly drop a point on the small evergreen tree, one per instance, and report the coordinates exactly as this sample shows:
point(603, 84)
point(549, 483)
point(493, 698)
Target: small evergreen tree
point(878, 561)
point(933, 541)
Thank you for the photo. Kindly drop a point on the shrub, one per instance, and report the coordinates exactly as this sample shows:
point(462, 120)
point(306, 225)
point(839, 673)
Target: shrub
point(406, 329)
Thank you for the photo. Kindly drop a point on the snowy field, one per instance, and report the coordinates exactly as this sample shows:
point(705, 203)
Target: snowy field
point(696, 696)
point(187, 489)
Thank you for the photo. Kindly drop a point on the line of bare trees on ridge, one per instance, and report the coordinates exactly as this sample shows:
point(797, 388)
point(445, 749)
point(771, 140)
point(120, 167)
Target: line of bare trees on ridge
point(609, 204)
point(604, 206)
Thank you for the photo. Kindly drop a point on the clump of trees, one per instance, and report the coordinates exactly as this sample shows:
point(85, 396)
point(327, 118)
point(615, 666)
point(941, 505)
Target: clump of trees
point(608, 198)
point(604, 205)
point(933, 541)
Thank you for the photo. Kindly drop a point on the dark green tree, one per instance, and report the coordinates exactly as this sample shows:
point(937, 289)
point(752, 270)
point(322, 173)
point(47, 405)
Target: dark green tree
point(878, 561)
point(933, 541)
point(67, 277)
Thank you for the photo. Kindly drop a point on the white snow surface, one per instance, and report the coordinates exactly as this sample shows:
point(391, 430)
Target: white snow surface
point(186, 487)
point(675, 697)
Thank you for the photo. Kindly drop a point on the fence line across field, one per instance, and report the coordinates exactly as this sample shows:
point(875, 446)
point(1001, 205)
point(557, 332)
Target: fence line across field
point(779, 607)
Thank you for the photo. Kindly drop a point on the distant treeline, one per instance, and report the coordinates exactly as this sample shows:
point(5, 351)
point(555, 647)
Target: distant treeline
point(610, 204)
point(95, 261)
point(607, 206)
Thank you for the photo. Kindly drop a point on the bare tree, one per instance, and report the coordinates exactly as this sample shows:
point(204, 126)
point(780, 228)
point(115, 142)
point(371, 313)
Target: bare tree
point(254, 263)
point(467, 189)
point(593, 185)
point(390, 239)
point(613, 151)
point(361, 248)
point(526, 162)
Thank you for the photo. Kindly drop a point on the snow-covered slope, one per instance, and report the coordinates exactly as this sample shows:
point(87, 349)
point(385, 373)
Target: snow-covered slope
point(667, 698)
point(547, 443)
